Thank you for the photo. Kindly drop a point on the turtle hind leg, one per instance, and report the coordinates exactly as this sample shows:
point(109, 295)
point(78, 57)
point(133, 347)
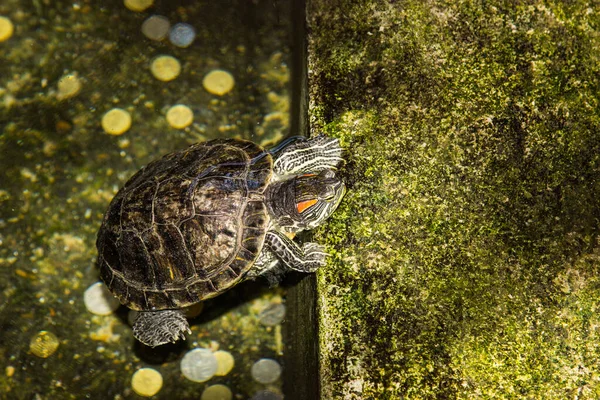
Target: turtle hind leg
point(309, 156)
point(154, 328)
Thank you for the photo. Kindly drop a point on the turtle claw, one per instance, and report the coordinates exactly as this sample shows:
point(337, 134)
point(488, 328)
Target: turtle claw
point(314, 256)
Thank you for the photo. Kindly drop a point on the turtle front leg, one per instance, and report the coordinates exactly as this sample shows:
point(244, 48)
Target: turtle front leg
point(154, 328)
point(306, 259)
point(309, 156)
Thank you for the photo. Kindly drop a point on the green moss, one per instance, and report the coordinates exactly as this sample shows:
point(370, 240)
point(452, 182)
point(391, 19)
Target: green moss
point(472, 166)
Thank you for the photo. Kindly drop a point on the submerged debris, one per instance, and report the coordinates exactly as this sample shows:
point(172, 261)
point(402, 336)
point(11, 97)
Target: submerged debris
point(98, 299)
point(182, 35)
point(165, 68)
point(44, 344)
point(217, 392)
point(116, 121)
point(218, 82)
point(156, 27)
point(199, 365)
point(225, 362)
point(266, 370)
point(146, 382)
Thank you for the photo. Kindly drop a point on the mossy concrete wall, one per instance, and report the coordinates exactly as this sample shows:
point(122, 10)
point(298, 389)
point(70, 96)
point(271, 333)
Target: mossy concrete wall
point(465, 254)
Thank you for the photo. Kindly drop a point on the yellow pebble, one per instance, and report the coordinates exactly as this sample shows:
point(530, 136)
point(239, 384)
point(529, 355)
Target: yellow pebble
point(180, 116)
point(218, 82)
point(43, 344)
point(165, 68)
point(146, 382)
point(138, 5)
point(116, 121)
point(216, 392)
point(68, 86)
point(225, 362)
point(6, 28)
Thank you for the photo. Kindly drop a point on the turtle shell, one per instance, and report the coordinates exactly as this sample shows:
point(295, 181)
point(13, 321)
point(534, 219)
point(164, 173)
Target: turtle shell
point(187, 226)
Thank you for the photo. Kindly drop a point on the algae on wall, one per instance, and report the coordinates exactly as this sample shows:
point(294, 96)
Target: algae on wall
point(465, 254)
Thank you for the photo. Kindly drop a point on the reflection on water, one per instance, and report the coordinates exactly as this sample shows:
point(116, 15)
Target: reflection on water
point(87, 97)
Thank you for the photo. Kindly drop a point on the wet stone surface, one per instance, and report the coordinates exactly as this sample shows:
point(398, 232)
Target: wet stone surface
point(467, 254)
point(64, 66)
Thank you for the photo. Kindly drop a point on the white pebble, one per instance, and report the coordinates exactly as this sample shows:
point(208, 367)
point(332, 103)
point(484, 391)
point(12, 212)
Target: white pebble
point(272, 315)
point(182, 34)
point(266, 371)
point(267, 395)
point(98, 300)
point(199, 365)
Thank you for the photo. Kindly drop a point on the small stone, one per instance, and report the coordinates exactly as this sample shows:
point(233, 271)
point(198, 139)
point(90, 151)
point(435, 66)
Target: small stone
point(182, 35)
point(266, 371)
point(199, 365)
point(146, 382)
point(156, 27)
point(225, 362)
point(44, 344)
point(6, 28)
point(165, 68)
point(180, 116)
point(217, 392)
point(98, 300)
point(116, 121)
point(138, 5)
point(68, 86)
point(266, 395)
point(218, 82)
point(272, 315)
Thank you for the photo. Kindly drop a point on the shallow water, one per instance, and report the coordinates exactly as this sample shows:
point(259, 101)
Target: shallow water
point(59, 170)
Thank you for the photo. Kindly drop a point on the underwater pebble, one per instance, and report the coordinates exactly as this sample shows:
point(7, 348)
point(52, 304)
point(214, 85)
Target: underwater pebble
point(156, 27)
point(216, 392)
point(266, 395)
point(116, 121)
point(138, 5)
point(199, 365)
point(272, 315)
point(180, 116)
point(218, 82)
point(98, 299)
point(165, 68)
point(182, 34)
point(6, 28)
point(44, 344)
point(225, 362)
point(146, 382)
point(266, 370)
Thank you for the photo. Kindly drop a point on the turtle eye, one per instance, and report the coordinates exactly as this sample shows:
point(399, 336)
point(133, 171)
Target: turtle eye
point(304, 205)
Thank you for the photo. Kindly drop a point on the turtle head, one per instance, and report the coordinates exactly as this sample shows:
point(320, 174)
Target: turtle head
point(305, 201)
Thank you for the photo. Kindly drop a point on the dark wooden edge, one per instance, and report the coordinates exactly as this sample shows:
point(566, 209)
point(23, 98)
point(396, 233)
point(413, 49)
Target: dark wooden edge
point(300, 330)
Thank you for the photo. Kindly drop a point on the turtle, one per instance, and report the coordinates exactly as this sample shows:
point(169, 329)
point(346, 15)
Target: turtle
point(196, 222)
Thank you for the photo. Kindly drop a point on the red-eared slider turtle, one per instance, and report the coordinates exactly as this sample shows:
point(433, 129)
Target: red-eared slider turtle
point(196, 222)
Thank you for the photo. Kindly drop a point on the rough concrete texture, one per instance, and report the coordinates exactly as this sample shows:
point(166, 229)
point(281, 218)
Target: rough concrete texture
point(465, 254)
